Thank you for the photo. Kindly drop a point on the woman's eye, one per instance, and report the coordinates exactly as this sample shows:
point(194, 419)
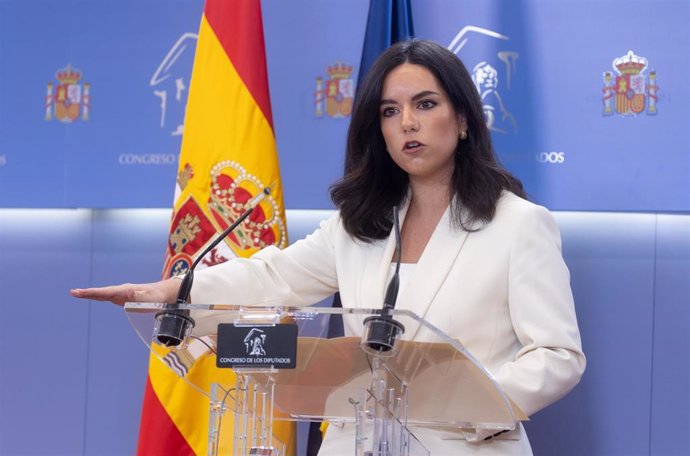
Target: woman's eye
point(388, 112)
point(427, 104)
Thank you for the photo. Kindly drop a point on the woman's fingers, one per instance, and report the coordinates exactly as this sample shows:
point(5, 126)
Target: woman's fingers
point(164, 291)
point(118, 294)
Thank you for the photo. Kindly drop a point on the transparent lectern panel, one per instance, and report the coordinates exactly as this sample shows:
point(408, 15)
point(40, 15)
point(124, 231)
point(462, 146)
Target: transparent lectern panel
point(432, 376)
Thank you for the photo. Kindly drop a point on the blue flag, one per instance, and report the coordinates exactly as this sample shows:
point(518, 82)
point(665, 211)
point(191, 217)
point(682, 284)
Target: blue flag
point(389, 21)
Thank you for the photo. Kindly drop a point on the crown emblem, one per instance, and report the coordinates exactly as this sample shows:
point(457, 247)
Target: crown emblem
point(630, 64)
point(231, 189)
point(339, 71)
point(68, 75)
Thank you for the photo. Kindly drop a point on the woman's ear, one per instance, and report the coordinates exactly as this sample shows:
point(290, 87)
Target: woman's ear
point(462, 122)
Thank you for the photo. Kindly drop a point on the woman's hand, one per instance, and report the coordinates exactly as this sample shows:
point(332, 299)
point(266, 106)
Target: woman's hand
point(163, 291)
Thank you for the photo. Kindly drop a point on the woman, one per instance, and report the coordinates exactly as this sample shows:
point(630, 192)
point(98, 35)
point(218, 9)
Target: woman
point(479, 261)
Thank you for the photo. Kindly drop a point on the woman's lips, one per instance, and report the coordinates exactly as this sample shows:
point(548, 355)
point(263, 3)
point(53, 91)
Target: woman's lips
point(412, 146)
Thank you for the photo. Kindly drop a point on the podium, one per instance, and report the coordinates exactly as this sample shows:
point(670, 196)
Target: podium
point(426, 379)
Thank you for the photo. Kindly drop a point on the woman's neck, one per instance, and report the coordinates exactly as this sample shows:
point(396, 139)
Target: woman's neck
point(428, 198)
point(427, 205)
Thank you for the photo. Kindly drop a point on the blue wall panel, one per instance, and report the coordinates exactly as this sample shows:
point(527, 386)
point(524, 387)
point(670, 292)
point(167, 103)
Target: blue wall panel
point(670, 418)
point(304, 38)
point(629, 274)
point(611, 261)
point(128, 246)
point(44, 337)
point(539, 65)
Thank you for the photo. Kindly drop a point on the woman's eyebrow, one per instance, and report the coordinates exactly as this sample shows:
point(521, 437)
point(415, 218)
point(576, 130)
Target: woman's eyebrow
point(422, 94)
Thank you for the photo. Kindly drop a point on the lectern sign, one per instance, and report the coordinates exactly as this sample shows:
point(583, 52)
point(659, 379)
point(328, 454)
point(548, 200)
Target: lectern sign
point(257, 346)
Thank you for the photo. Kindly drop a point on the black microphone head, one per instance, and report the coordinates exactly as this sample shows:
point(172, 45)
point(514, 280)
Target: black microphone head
point(174, 324)
point(381, 332)
point(380, 335)
point(173, 327)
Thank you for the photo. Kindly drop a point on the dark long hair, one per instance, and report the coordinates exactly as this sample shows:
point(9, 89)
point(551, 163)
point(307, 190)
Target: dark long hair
point(372, 183)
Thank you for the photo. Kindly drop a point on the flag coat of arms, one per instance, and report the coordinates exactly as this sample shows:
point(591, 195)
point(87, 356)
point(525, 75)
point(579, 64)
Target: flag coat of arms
point(228, 156)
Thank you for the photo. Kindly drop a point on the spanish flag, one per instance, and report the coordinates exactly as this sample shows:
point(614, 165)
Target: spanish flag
point(228, 156)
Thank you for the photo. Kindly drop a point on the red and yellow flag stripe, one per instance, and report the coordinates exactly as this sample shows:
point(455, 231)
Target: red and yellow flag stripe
point(228, 155)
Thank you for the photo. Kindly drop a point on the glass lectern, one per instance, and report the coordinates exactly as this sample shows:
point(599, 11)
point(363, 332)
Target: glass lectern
point(425, 379)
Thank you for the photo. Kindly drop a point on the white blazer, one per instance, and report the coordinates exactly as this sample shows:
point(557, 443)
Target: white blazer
point(503, 291)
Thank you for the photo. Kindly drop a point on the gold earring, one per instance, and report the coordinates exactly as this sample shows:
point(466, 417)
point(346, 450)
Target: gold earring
point(463, 135)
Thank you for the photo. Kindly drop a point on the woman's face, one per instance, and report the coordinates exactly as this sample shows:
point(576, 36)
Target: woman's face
point(419, 124)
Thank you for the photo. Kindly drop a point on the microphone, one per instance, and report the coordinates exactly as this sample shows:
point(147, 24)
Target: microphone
point(174, 324)
point(381, 331)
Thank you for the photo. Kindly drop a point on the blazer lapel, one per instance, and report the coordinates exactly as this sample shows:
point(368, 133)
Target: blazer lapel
point(432, 269)
point(376, 269)
point(427, 278)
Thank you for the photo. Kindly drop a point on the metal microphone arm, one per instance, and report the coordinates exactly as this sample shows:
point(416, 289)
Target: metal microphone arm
point(381, 331)
point(174, 324)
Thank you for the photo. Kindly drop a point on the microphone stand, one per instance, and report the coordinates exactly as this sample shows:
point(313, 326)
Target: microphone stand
point(381, 331)
point(175, 324)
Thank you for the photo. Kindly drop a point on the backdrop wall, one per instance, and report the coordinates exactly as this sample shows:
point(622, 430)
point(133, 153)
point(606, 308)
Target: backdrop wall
point(587, 100)
point(72, 373)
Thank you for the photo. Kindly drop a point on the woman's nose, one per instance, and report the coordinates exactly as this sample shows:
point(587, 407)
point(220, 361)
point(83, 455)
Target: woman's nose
point(409, 121)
